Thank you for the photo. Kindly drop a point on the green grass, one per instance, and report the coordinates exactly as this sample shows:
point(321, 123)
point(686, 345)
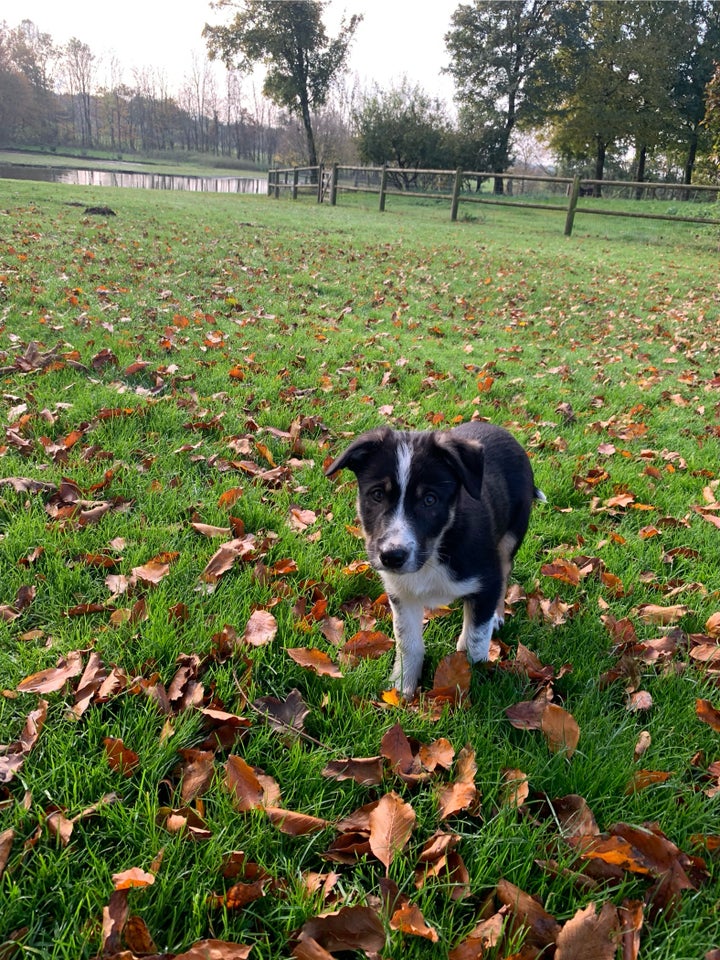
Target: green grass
point(251, 315)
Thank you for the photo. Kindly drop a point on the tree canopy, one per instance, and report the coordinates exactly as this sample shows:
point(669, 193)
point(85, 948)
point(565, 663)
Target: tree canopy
point(501, 60)
point(290, 40)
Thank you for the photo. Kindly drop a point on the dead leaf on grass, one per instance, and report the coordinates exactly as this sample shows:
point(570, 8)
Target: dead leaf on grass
point(391, 823)
point(409, 919)
point(316, 660)
point(589, 934)
point(260, 629)
point(708, 714)
point(54, 678)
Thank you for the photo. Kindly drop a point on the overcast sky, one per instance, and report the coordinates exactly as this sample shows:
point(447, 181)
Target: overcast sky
point(396, 38)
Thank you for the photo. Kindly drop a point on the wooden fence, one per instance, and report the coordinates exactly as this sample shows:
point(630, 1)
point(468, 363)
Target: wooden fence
point(324, 183)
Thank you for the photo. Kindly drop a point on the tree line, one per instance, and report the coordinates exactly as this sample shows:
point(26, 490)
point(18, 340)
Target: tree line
point(55, 97)
point(626, 87)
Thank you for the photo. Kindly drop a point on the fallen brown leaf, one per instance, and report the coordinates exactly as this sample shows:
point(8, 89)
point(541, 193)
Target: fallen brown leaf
point(121, 758)
point(367, 771)
point(350, 928)
point(391, 823)
point(242, 782)
point(6, 842)
point(294, 824)
point(461, 794)
point(409, 919)
point(215, 950)
point(560, 729)
point(589, 934)
point(54, 678)
point(260, 629)
point(525, 911)
point(316, 660)
point(708, 714)
point(134, 877)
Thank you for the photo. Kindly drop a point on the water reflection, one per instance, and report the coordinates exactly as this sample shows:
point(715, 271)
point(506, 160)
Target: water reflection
point(143, 181)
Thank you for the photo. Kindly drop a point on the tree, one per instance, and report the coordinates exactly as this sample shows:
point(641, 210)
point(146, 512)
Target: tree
point(638, 75)
point(615, 95)
point(501, 59)
point(289, 38)
point(694, 70)
point(712, 115)
point(27, 64)
point(403, 126)
point(79, 61)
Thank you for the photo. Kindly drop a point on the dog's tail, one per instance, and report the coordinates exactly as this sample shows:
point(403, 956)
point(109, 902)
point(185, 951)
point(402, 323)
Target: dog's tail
point(539, 495)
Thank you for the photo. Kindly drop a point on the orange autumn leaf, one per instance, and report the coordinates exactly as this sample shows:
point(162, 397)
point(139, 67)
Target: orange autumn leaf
point(152, 572)
point(708, 714)
point(642, 779)
point(367, 771)
point(134, 877)
point(294, 824)
point(315, 660)
point(366, 645)
point(121, 758)
point(409, 919)
point(54, 678)
point(238, 895)
point(391, 823)
point(462, 793)
point(654, 613)
point(242, 782)
point(560, 729)
point(564, 570)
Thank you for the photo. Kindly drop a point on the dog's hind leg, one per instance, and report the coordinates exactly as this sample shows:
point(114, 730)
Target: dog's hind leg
point(409, 645)
point(506, 551)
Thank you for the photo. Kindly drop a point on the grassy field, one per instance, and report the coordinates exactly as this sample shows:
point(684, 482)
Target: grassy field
point(192, 651)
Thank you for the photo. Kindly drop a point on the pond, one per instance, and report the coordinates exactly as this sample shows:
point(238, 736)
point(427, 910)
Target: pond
point(124, 178)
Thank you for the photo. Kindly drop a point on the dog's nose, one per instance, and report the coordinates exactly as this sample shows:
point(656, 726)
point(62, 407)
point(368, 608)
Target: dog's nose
point(394, 557)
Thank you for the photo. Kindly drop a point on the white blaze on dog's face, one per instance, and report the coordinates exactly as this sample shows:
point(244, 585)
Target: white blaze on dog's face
point(407, 489)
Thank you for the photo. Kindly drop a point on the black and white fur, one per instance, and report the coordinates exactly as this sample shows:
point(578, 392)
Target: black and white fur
point(443, 514)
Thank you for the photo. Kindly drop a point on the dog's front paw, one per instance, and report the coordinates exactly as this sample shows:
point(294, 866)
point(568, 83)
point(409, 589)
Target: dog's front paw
point(476, 642)
point(404, 680)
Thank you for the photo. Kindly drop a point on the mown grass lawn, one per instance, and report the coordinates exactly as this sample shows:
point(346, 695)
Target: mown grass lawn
point(173, 380)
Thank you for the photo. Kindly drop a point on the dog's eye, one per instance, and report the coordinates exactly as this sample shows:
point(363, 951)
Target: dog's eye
point(377, 494)
point(430, 499)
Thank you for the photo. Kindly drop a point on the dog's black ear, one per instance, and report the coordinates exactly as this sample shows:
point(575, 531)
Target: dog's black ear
point(467, 459)
point(359, 451)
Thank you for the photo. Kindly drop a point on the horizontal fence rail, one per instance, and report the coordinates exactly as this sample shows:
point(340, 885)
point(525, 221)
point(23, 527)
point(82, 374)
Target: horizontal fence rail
point(562, 194)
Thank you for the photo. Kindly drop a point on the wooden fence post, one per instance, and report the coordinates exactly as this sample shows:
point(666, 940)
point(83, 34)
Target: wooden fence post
point(456, 195)
point(572, 204)
point(321, 177)
point(383, 185)
point(294, 189)
point(333, 184)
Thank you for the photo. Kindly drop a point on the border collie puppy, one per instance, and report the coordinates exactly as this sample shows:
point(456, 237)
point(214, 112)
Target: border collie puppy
point(443, 513)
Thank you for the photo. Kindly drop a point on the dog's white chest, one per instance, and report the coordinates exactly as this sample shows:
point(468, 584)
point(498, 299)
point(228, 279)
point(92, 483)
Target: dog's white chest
point(431, 584)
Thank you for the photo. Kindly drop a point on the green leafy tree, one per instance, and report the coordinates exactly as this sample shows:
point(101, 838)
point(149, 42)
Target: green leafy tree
point(501, 61)
point(405, 127)
point(636, 78)
point(290, 39)
point(28, 60)
point(694, 68)
point(614, 92)
point(712, 115)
